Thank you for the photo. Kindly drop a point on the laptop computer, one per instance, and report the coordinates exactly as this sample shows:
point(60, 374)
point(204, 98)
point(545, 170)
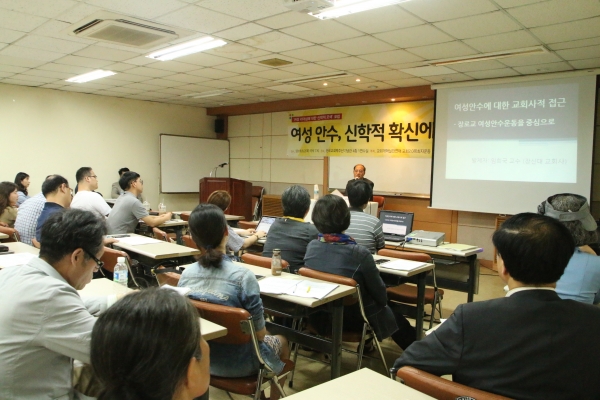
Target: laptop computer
point(396, 224)
point(265, 223)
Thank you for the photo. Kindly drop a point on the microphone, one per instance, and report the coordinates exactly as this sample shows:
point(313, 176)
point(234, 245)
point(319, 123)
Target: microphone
point(215, 169)
point(224, 164)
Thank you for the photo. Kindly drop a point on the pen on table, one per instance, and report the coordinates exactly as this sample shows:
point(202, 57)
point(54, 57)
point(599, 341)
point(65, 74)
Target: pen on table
point(308, 289)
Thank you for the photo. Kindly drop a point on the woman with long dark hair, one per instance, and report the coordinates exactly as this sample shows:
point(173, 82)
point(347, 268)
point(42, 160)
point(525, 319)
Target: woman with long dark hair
point(8, 204)
point(148, 346)
point(22, 182)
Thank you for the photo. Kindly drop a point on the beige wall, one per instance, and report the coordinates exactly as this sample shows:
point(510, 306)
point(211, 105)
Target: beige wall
point(47, 131)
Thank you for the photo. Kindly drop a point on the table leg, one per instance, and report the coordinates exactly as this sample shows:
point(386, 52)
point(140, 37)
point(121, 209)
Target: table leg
point(420, 304)
point(179, 234)
point(336, 337)
point(471, 288)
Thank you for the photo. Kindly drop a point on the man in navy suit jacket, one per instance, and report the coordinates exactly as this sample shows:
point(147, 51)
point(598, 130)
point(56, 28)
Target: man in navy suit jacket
point(529, 344)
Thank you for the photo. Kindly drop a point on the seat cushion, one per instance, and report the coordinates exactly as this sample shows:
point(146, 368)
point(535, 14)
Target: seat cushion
point(408, 294)
point(245, 385)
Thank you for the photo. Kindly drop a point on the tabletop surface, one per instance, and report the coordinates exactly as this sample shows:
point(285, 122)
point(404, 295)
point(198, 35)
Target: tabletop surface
point(158, 251)
point(228, 217)
point(19, 247)
point(412, 272)
point(3, 235)
point(435, 250)
point(339, 292)
point(360, 385)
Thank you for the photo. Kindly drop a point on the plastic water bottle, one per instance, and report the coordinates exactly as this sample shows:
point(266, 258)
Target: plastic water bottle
point(316, 192)
point(120, 273)
point(146, 205)
point(276, 262)
point(162, 208)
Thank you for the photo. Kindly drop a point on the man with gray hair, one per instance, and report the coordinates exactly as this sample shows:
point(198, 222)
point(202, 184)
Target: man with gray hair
point(291, 234)
point(581, 279)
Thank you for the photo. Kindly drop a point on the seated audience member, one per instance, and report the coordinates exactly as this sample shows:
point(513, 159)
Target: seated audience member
point(22, 182)
point(8, 204)
point(44, 323)
point(336, 253)
point(291, 234)
point(116, 190)
point(222, 199)
point(529, 344)
point(581, 280)
point(86, 198)
point(28, 215)
point(148, 346)
point(216, 279)
point(364, 228)
point(128, 210)
point(58, 197)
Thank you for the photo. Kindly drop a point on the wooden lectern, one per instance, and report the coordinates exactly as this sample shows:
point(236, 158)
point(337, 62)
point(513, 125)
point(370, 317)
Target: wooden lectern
point(240, 191)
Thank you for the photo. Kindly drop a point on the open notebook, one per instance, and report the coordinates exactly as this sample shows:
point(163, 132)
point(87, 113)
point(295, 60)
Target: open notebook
point(300, 288)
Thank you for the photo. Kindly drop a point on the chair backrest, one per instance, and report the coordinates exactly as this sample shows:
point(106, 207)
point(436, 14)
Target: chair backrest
point(110, 258)
point(340, 280)
point(440, 388)
point(12, 233)
point(189, 242)
point(229, 317)
point(260, 261)
point(257, 194)
point(166, 278)
point(406, 255)
point(185, 216)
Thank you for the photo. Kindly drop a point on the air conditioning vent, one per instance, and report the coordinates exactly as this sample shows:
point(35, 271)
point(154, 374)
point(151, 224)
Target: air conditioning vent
point(126, 31)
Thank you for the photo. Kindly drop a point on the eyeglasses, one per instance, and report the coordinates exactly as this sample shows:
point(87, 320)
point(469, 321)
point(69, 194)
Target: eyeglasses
point(94, 176)
point(99, 264)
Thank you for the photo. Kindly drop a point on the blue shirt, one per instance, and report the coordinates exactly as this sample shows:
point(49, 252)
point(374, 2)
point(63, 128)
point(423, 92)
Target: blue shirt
point(49, 209)
point(235, 286)
point(27, 218)
point(581, 279)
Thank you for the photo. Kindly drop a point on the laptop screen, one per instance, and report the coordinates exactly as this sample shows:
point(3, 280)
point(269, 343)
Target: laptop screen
point(396, 223)
point(265, 223)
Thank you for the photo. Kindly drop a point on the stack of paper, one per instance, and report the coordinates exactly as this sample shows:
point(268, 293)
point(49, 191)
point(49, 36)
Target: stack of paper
point(11, 260)
point(300, 288)
point(457, 246)
point(402, 265)
point(137, 240)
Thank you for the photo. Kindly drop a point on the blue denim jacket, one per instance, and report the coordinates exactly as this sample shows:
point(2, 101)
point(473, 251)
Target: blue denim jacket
point(235, 286)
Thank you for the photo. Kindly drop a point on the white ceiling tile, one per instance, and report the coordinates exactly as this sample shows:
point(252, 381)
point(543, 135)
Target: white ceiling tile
point(361, 45)
point(119, 67)
point(83, 62)
point(141, 60)
point(322, 31)
point(308, 69)
point(493, 73)
point(341, 90)
point(20, 62)
point(9, 35)
point(290, 18)
point(145, 71)
point(128, 90)
point(242, 31)
point(32, 54)
point(503, 41)
point(476, 66)
point(52, 86)
point(212, 73)
point(515, 3)
point(391, 75)
point(218, 84)
point(574, 44)
point(242, 68)
point(164, 82)
point(369, 86)
point(246, 79)
point(530, 60)
point(314, 53)
point(19, 21)
point(580, 53)
point(575, 30)
point(3, 45)
point(370, 70)
point(42, 8)
point(235, 51)
point(12, 81)
point(200, 19)
point(110, 93)
point(448, 78)
point(173, 66)
point(12, 69)
point(347, 63)
point(543, 68)
point(56, 29)
point(140, 8)
point(436, 10)
point(125, 76)
point(421, 35)
point(77, 13)
point(262, 92)
point(275, 74)
point(105, 53)
point(68, 69)
point(479, 25)
point(203, 60)
point(585, 64)
point(380, 20)
point(185, 78)
point(50, 44)
point(4, 74)
point(141, 86)
point(429, 70)
point(555, 12)
point(48, 74)
point(391, 57)
point(176, 91)
point(249, 10)
point(352, 80)
point(443, 50)
point(276, 42)
point(33, 78)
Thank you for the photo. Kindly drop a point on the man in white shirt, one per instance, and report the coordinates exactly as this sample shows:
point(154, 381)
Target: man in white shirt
point(86, 198)
point(44, 323)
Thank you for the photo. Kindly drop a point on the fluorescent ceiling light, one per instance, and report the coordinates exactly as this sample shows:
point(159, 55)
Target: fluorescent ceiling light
point(209, 93)
point(346, 7)
point(184, 49)
point(90, 76)
point(536, 50)
point(312, 78)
